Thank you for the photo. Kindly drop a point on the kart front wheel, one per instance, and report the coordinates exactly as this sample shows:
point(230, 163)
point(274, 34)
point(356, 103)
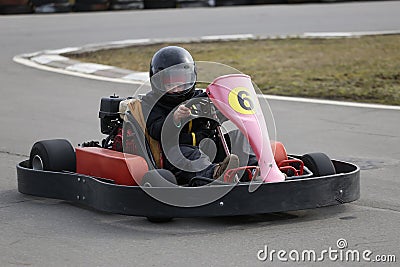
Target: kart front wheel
point(319, 164)
point(53, 155)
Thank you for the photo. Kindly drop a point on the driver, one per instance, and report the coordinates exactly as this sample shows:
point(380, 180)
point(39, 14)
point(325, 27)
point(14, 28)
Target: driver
point(173, 79)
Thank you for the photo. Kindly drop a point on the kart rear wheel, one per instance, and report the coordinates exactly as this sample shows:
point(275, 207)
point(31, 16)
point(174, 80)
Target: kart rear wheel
point(319, 164)
point(53, 155)
point(159, 178)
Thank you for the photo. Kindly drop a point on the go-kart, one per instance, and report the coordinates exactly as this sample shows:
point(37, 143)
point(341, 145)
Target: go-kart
point(124, 173)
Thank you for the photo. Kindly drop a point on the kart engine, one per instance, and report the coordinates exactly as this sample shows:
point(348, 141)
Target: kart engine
point(109, 113)
point(111, 122)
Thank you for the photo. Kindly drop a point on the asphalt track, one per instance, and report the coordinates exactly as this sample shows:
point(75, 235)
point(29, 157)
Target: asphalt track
point(36, 105)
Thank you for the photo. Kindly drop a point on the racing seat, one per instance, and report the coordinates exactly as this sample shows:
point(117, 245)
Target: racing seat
point(135, 128)
point(147, 147)
point(142, 144)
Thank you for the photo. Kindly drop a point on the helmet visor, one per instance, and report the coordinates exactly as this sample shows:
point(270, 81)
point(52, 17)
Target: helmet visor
point(175, 79)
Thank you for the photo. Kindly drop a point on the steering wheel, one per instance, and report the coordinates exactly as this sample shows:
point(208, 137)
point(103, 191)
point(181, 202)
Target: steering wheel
point(201, 107)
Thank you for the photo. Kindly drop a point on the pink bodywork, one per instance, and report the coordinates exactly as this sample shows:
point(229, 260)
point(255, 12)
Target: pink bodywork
point(253, 125)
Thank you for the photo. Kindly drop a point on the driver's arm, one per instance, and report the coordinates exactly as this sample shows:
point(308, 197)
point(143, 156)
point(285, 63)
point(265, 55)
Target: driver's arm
point(155, 124)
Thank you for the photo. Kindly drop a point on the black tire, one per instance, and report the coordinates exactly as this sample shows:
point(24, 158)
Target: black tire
point(263, 2)
point(190, 4)
point(159, 4)
point(231, 2)
point(159, 178)
point(319, 164)
point(16, 9)
point(159, 220)
point(53, 155)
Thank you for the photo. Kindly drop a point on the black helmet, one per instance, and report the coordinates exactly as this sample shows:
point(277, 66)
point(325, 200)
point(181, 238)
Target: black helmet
point(173, 65)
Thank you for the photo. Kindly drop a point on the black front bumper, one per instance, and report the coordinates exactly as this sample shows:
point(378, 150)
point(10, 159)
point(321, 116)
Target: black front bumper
point(297, 194)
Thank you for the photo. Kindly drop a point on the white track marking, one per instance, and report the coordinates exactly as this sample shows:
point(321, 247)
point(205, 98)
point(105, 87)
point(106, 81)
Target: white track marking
point(345, 34)
point(329, 102)
point(130, 42)
point(227, 37)
point(88, 68)
point(46, 59)
point(137, 76)
point(32, 64)
point(62, 50)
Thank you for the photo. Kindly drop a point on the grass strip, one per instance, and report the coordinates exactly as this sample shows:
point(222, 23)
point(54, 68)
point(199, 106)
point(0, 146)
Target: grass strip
point(365, 69)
